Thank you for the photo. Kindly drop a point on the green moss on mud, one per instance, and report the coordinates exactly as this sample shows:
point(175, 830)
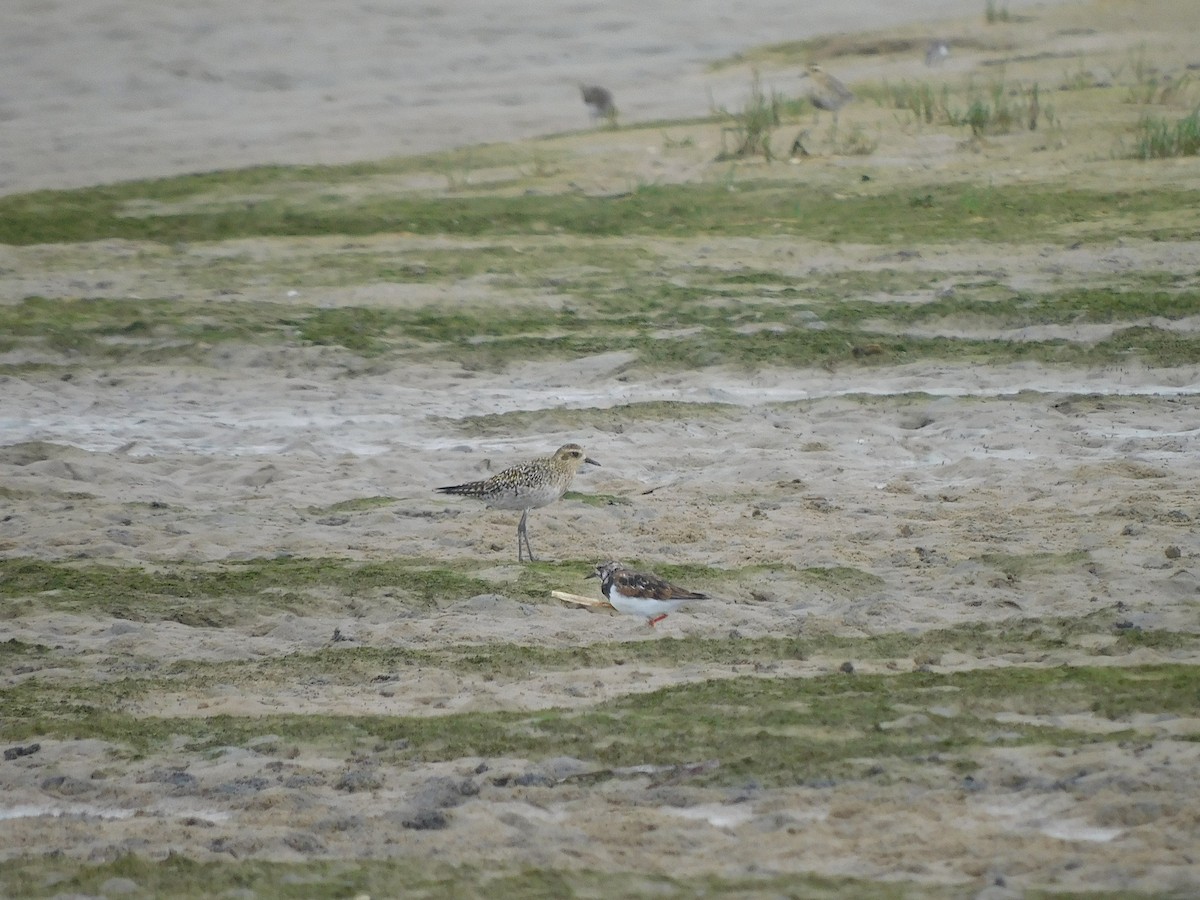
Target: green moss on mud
point(180, 876)
point(934, 212)
point(221, 595)
point(849, 726)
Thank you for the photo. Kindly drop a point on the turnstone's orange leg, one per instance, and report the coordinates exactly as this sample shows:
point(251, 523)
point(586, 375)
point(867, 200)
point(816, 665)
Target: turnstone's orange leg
point(657, 618)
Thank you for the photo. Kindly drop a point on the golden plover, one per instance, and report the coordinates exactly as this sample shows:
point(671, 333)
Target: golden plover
point(528, 485)
point(599, 101)
point(826, 92)
point(639, 594)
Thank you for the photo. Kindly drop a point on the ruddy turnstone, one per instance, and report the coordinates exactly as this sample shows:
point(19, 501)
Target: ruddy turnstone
point(643, 595)
point(525, 486)
point(599, 101)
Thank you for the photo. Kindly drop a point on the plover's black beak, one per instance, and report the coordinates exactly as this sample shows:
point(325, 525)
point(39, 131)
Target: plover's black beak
point(590, 461)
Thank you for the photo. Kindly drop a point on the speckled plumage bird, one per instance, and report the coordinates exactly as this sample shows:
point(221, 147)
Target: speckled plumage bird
point(641, 594)
point(826, 92)
point(525, 486)
point(599, 101)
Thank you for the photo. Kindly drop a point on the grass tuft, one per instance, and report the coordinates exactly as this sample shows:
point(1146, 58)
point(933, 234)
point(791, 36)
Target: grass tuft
point(752, 126)
point(994, 13)
point(1156, 138)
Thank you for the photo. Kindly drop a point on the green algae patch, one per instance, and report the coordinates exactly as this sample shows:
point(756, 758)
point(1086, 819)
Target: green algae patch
point(844, 579)
point(16, 649)
point(222, 595)
point(178, 875)
point(1017, 566)
point(934, 212)
point(1010, 309)
point(782, 731)
point(597, 499)
point(651, 316)
point(353, 505)
point(801, 347)
point(113, 328)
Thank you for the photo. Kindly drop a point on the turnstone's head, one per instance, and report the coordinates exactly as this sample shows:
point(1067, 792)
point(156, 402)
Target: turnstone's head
point(604, 571)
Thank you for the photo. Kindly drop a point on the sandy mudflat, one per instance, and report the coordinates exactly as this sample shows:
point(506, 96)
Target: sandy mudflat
point(945, 494)
point(103, 90)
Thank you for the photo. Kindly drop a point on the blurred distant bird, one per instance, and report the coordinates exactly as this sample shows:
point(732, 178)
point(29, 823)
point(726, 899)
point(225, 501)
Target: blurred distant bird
point(937, 53)
point(599, 101)
point(826, 92)
point(798, 148)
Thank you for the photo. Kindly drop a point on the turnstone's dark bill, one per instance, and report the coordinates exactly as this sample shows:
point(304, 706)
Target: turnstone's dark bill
point(526, 486)
point(640, 594)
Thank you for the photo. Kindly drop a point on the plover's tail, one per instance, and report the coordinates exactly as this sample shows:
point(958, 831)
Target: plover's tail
point(468, 489)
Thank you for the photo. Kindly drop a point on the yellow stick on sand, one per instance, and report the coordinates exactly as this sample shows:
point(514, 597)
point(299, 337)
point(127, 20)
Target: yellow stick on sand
point(582, 601)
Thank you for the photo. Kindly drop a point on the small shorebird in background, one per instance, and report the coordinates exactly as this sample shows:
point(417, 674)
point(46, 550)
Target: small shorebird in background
point(525, 486)
point(826, 92)
point(641, 594)
point(936, 53)
point(599, 102)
